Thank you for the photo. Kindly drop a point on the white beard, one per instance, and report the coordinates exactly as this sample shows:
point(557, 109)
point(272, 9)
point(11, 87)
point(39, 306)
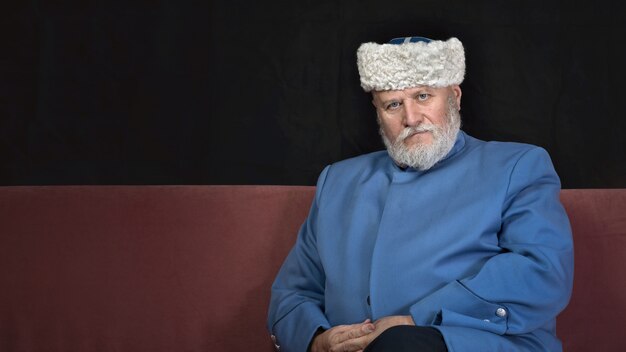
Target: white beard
point(424, 156)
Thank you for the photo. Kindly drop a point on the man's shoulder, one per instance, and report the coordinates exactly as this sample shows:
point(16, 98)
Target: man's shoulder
point(363, 160)
point(356, 167)
point(499, 149)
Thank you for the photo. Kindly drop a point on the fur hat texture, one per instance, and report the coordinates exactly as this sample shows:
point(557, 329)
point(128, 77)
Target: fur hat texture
point(399, 66)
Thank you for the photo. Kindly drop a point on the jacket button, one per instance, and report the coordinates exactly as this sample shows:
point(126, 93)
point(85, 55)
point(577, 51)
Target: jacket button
point(276, 345)
point(501, 312)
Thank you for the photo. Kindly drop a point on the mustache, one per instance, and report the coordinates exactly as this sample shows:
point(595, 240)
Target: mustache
point(409, 131)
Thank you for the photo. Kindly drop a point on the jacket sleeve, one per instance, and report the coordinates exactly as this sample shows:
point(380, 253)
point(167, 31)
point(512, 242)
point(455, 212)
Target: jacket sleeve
point(529, 282)
point(296, 308)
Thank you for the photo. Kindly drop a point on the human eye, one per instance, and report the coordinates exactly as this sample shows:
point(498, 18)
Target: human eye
point(423, 96)
point(392, 105)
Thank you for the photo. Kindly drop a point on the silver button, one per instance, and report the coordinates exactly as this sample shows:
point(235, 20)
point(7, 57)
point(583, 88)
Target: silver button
point(487, 320)
point(501, 312)
point(276, 345)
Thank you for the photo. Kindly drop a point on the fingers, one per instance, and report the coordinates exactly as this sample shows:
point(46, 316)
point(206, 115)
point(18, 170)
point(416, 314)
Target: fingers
point(352, 345)
point(351, 337)
point(356, 330)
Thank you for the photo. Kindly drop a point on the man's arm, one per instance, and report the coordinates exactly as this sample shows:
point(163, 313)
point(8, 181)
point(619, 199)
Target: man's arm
point(297, 302)
point(530, 281)
point(296, 318)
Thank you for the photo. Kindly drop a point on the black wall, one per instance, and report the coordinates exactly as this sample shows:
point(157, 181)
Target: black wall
point(243, 92)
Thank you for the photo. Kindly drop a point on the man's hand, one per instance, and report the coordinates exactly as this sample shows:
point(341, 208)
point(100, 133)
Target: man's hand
point(385, 323)
point(344, 338)
point(354, 338)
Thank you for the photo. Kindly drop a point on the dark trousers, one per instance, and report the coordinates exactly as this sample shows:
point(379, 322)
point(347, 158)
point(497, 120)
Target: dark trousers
point(405, 338)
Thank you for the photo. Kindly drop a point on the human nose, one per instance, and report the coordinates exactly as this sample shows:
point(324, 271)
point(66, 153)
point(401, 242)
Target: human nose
point(412, 114)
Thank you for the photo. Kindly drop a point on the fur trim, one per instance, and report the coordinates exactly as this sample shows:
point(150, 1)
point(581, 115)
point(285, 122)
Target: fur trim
point(400, 66)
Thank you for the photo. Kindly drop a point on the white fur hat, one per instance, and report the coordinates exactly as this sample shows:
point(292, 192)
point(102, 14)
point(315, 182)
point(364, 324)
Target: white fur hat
point(411, 62)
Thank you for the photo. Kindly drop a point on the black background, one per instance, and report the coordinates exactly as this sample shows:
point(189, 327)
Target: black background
point(242, 92)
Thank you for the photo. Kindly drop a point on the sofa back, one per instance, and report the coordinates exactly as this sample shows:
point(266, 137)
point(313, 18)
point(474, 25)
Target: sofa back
point(595, 319)
point(188, 268)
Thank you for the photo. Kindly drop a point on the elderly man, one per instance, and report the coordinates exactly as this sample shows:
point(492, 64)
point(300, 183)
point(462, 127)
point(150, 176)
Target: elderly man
point(442, 242)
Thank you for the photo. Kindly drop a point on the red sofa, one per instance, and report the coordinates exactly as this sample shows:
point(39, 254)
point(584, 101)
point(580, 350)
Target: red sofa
point(188, 268)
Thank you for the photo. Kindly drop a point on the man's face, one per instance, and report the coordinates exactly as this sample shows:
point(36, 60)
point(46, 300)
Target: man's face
point(418, 125)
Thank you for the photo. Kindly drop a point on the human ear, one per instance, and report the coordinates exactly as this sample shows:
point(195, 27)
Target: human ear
point(456, 90)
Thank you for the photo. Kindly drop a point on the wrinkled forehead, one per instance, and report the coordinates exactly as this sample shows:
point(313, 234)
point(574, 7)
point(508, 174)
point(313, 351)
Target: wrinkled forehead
point(408, 92)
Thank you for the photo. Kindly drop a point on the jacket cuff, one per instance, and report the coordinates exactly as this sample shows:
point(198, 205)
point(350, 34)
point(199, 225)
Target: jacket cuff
point(455, 305)
point(294, 332)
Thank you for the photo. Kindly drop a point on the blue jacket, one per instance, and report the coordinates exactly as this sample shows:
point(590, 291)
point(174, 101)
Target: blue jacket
point(479, 247)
